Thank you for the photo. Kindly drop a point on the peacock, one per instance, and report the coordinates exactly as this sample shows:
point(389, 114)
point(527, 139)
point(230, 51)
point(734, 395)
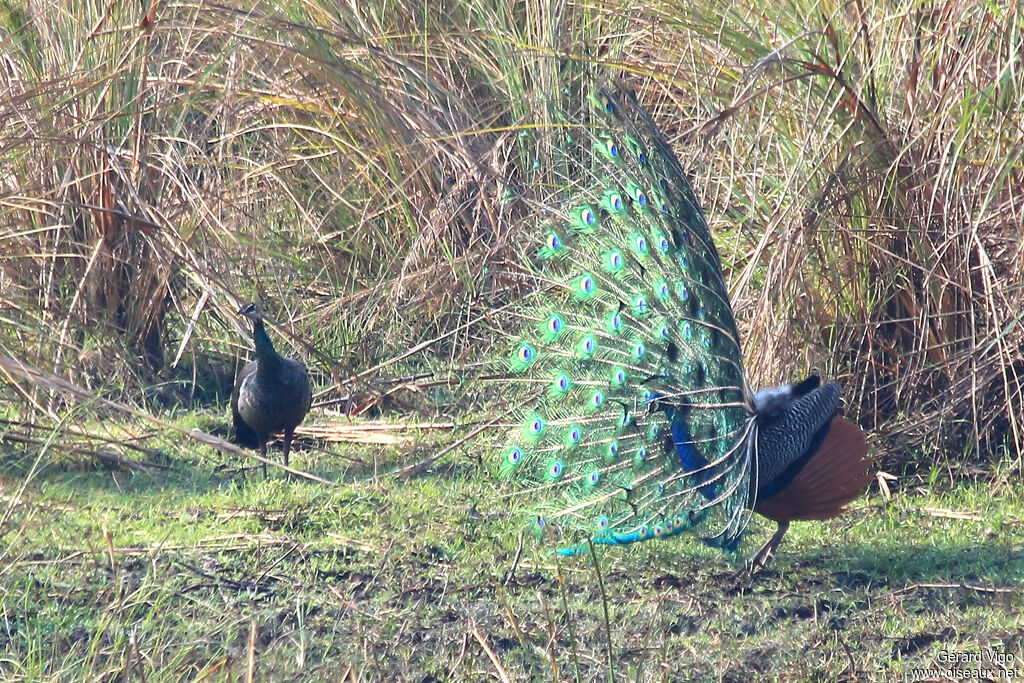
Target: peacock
point(271, 394)
point(636, 420)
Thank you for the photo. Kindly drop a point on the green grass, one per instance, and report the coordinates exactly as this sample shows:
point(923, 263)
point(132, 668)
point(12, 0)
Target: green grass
point(350, 166)
point(403, 580)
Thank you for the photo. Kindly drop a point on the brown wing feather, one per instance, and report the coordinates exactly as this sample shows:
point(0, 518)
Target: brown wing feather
point(836, 474)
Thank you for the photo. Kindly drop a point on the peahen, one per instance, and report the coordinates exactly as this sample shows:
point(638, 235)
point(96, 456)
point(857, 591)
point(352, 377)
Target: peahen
point(272, 394)
point(638, 422)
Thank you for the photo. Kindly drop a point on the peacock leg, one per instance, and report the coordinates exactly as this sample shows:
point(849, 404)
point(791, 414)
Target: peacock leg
point(761, 558)
point(263, 454)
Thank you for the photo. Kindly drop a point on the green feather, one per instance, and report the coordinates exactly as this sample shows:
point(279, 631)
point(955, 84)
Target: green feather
point(633, 325)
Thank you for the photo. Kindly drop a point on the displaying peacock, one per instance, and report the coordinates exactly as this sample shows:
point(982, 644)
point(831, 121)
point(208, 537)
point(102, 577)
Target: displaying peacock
point(271, 394)
point(638, 422)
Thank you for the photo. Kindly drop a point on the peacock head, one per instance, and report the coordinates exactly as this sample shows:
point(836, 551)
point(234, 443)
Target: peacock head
point(252, 311)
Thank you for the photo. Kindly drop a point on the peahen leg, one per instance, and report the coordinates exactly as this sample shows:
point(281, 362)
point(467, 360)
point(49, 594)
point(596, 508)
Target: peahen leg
point(288, 434)
point(761, 558)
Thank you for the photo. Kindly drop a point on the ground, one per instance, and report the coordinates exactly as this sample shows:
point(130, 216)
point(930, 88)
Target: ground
point(196, 568)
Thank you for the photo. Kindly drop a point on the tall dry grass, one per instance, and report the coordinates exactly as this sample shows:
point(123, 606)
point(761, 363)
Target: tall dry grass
point(357, 169)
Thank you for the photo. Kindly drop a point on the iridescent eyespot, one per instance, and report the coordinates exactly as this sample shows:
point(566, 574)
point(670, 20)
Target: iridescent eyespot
point(640, 455)
point(653, 431)
point(554, 326)
point(614, 322)
point(587, 346)
point(687, 330)
point(640, 244)
point(593, 478)
point(658, 530)
point(573, 436)
point(561, 383)
point(618, 377)
point(662, 183)
point(555, 469)
point(515, 454)
point(602, 523)
point(682, 292)
point(617, 203)
point(587, 216)
point(584, 286)
point(611, 148)
point(613, 261)
point(639, 350)
point(661, 290)
point(552, 245)
point(663, 331)
point(522, 357)
point(640, 304)
point(596, 399)
point(661, 242)
point(642, 157)
point(532, 429)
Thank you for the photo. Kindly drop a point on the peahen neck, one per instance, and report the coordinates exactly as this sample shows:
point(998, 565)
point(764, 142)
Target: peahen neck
point(267, 358)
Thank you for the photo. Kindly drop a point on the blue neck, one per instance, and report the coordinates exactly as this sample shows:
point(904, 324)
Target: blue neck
point(266, 356)
point(689, 459)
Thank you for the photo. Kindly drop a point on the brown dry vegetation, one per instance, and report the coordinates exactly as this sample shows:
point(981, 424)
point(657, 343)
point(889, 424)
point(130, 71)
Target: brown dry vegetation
point(862, 167)
point(369, 171)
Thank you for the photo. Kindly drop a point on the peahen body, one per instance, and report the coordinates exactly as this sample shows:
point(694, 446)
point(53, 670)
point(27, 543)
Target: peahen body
point(638, 421)
point(271, 394)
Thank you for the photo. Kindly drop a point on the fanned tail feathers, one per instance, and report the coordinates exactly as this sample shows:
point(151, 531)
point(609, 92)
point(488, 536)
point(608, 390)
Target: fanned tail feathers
point(635, 422)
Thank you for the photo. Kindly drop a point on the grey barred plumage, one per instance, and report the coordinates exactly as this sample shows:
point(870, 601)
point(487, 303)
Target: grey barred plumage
point(639, 422)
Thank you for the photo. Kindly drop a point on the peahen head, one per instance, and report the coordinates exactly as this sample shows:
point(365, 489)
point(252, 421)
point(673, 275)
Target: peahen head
point(264, 347)
point(252, 311)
